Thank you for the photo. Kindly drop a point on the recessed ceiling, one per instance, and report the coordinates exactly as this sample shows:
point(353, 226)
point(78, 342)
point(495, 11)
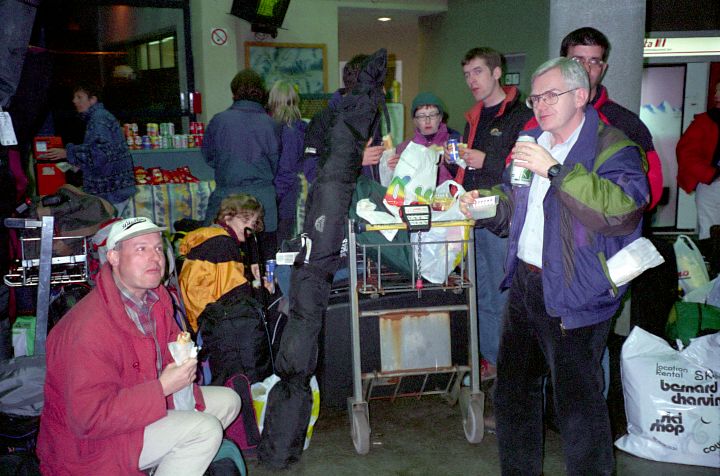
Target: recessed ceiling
point(367, 18)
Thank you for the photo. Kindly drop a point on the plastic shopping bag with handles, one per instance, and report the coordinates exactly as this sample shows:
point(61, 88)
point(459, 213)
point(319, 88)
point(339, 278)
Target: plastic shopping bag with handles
point(441, 249)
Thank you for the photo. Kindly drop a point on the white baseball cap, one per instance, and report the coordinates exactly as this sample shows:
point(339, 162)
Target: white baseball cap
point(130, 228)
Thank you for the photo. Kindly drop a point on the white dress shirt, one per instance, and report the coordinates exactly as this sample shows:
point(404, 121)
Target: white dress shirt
point(530, 244)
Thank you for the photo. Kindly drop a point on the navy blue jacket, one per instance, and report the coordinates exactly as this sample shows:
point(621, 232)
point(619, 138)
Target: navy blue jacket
point(103, 157)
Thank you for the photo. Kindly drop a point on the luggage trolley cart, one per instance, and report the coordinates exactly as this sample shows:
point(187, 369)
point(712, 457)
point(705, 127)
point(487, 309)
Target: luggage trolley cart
point(374, 280)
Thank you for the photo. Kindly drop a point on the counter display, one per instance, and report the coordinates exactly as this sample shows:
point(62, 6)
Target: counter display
point(173, 158)
point(167, 203)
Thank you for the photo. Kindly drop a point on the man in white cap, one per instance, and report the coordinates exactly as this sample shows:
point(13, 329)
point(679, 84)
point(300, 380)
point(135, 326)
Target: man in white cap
point(109, 406)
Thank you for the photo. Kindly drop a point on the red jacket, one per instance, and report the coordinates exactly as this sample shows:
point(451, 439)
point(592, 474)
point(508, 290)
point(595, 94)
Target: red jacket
point(102, 387)
point(695, 153)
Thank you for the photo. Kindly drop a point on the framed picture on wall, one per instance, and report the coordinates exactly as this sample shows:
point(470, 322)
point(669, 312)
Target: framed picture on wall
point(299, 63)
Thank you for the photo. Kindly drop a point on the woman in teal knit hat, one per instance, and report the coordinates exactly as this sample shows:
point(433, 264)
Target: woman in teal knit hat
point(430, 129)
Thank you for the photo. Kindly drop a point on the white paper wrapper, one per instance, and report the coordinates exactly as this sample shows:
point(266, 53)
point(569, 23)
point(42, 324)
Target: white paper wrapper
point(183, 399)
point(631, 261)
point(368, 210)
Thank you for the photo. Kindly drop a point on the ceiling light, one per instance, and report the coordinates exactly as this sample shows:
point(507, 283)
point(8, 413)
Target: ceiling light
point(384, 19)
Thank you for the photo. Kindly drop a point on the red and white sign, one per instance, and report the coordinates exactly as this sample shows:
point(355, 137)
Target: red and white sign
point(219, 37)
point(698, 46)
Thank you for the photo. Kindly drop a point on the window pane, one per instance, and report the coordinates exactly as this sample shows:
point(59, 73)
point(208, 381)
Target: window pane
point(167, 52)
point(154, 54)
point(142, 56)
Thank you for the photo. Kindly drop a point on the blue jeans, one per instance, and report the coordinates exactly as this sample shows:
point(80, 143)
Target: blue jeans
point(490, 251)
point(532, 344)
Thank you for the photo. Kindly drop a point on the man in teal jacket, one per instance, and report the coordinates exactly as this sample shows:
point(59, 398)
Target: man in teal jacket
point(584, 204)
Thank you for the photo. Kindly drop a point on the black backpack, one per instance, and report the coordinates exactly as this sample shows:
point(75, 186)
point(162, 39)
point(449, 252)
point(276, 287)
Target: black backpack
point(235, 337)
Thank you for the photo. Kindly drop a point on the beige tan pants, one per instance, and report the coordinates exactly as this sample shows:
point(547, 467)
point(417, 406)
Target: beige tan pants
point(185, 442)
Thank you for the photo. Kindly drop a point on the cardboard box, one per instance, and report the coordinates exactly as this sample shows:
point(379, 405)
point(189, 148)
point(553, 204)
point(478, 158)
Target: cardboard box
point(43, 143)
point(49, 177)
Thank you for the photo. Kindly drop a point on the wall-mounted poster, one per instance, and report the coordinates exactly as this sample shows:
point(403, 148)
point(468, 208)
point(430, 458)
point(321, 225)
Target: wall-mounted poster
point(301, 64)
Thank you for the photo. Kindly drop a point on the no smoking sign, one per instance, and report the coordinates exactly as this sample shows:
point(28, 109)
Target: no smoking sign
point(219, 37)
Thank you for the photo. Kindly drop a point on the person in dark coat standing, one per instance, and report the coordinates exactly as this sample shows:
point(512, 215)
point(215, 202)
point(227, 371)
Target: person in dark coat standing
point(103, 157)
point(283, 106)
point(241, 144)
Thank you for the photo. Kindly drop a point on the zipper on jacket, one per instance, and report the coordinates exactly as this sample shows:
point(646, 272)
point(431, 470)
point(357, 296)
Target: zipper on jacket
point(562, 328)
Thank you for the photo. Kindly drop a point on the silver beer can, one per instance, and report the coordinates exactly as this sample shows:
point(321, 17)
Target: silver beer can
point(519, 175)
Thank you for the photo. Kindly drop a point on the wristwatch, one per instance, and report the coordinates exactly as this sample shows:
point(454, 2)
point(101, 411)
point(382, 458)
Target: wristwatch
point(553, 171)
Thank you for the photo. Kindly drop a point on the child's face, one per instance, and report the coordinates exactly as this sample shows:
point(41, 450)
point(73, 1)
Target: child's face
point(239, 223)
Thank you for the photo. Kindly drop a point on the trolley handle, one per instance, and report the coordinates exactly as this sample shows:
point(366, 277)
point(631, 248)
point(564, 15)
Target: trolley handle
point(22, 223)
point(362, 227)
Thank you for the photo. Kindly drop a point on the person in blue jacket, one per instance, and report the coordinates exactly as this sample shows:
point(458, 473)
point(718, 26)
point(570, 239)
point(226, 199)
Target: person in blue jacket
point(584, 204)
point(103, 157)
point(241, 144)
point(283, 106)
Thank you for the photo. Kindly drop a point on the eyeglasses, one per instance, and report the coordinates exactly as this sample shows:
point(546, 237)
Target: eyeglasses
point(548, 97)
point(430, 117)
point(594, 62)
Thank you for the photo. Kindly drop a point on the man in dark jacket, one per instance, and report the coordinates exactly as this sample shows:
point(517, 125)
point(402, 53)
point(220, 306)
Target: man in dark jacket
point(492, 126)
point(591, 48)
point(584, 204)
point(103, 157)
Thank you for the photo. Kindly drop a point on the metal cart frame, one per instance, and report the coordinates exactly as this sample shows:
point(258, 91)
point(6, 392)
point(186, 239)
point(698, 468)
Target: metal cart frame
point(374, 283)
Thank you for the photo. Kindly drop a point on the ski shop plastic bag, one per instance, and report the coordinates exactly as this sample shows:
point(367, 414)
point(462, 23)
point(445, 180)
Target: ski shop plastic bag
point(672, 400)
point(441, 249)
point(414, 178)
point(692, 272)
point(260, 392)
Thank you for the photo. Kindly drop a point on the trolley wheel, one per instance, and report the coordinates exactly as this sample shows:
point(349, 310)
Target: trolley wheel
point(454, 394)
point(473, 422)
point(360, 429)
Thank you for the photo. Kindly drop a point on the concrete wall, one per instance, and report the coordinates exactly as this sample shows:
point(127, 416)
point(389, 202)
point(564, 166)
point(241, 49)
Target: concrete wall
point(521, 28)
point(625, 32)
point(307, 21)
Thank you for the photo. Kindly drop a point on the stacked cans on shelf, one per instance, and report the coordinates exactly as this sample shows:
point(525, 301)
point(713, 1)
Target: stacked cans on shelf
point(162, 136)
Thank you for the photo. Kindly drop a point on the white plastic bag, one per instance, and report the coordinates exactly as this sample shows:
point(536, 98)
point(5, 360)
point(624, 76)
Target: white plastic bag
point(692, 272)
point(414, 178)
point(672, 400)
point(441, 249)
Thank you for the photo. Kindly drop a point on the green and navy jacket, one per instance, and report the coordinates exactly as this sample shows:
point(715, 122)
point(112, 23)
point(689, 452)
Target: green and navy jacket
point(593, 209)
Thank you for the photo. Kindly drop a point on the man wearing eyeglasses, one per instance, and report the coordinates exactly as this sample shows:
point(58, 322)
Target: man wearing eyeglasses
point(584, 204)
point(591, 48)
point(492, 126)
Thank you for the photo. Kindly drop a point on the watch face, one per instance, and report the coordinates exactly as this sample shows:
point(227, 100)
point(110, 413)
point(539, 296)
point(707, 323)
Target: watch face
point(554, 170)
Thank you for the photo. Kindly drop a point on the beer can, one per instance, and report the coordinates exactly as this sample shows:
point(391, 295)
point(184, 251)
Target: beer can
point(270, 270)
point(152, 128)
point(163, 129)
point(127, 129)
point(130, 142)
point(192, 127)
point(200, 128)
point(454, 151)
point(519, 175)
point(170, 129)
point(191, 141)
point(177, 141)
point(138, 142)
point(198, 140)
point(184, 139)
point(134, 128)
point(146, 144)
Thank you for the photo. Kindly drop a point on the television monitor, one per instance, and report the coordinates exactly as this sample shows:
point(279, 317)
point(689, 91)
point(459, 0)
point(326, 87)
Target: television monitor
point(265, 13)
